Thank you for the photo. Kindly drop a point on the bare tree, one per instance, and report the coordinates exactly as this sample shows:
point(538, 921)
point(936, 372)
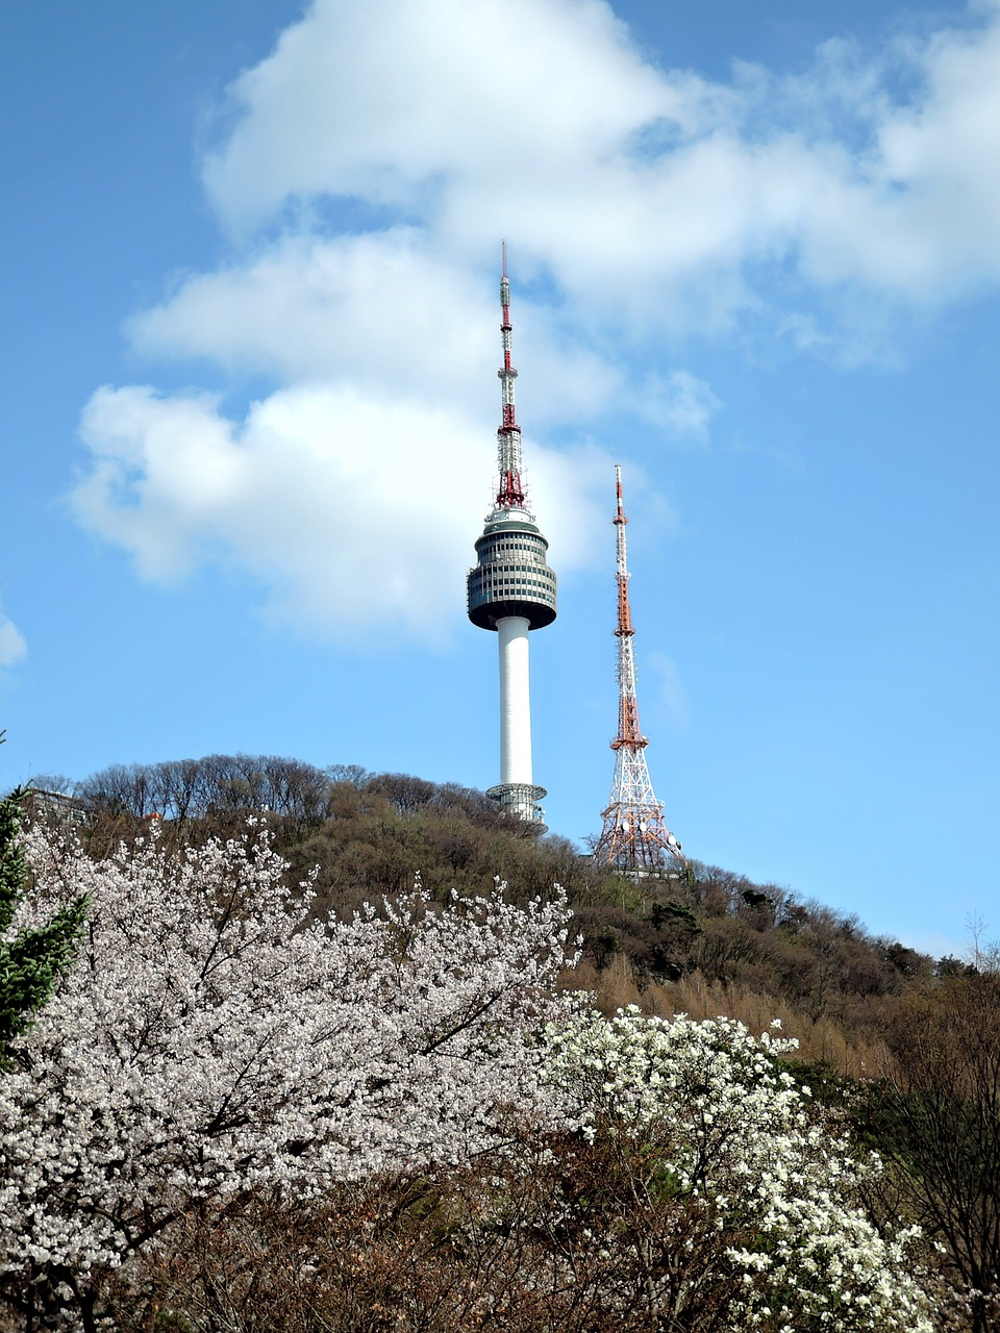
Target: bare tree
point(216, 784)
point(936, 1117)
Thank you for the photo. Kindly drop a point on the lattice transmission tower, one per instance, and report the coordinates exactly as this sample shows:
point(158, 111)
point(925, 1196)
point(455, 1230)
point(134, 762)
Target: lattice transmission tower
point(634, 839)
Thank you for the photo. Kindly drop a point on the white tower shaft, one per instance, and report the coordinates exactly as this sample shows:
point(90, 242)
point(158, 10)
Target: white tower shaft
point(515, 704)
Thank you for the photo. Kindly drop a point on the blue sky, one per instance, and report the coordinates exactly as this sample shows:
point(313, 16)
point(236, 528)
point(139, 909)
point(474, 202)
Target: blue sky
point(250, 398)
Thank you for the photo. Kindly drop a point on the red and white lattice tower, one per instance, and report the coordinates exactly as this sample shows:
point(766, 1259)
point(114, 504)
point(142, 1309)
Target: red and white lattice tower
point(635, 839)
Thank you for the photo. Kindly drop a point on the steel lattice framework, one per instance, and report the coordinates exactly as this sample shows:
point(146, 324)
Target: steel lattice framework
point(510, 493)
point(634, 839)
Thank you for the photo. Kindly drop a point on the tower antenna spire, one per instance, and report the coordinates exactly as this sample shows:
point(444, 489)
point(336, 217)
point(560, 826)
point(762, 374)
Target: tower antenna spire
point(510, 492)
point(512, 591)
point(634, 838)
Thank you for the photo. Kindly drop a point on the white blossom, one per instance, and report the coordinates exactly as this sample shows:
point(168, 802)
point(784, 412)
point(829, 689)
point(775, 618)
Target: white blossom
point(214, 1037)
point(744, 1143)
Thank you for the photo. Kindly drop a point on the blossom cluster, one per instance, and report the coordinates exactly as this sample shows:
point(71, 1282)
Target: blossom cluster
point(740, 1141)
point(215, 1037)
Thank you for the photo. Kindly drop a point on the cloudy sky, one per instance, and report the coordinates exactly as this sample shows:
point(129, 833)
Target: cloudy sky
point(251, 351)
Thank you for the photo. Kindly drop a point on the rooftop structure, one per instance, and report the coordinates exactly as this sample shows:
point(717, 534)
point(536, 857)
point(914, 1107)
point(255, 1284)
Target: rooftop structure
point(57, 805)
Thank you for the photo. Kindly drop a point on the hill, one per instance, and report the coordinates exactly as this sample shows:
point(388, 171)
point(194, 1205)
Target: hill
point(714, 943)
point(897, 1051)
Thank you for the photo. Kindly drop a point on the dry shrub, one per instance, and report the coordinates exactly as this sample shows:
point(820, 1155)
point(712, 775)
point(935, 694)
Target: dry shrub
point(820, 1040)
point(560, 1236)
point(612, 987)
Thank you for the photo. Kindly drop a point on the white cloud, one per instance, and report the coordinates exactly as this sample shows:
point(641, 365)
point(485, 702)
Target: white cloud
point(669, 690)
point(630, 182)
point(680, 402)
point(640, 201)
point(352, 510)
point(12, 645)
point(383, 311)
point(382, 101)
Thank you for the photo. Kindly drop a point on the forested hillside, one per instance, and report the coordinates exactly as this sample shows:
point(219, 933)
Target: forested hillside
point(896, 1051)
point(714, 942)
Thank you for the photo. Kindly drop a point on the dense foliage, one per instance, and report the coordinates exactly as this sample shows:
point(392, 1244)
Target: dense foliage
point(256, 1103)
point(834, 985)
point(703, 1192)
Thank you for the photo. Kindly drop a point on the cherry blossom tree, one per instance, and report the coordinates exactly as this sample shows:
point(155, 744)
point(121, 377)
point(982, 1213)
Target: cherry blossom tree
point(31, 959)
point(213, 1038)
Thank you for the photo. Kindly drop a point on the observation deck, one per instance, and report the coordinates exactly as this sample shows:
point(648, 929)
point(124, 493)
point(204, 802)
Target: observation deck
point(512, 577)
point(520, 800)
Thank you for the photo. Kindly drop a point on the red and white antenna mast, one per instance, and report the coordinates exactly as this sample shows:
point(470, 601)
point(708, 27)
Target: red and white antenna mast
point(634, 839)
point(510, 494)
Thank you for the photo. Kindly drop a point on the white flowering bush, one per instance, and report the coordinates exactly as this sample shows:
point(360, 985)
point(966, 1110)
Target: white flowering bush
point(214, 1040)
point(730, 1144)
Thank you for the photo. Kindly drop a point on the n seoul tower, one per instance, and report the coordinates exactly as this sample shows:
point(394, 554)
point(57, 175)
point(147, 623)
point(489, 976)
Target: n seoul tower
point(512, 591)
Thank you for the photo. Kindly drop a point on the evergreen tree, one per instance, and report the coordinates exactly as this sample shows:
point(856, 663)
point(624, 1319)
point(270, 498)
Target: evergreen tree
point(31, 960)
